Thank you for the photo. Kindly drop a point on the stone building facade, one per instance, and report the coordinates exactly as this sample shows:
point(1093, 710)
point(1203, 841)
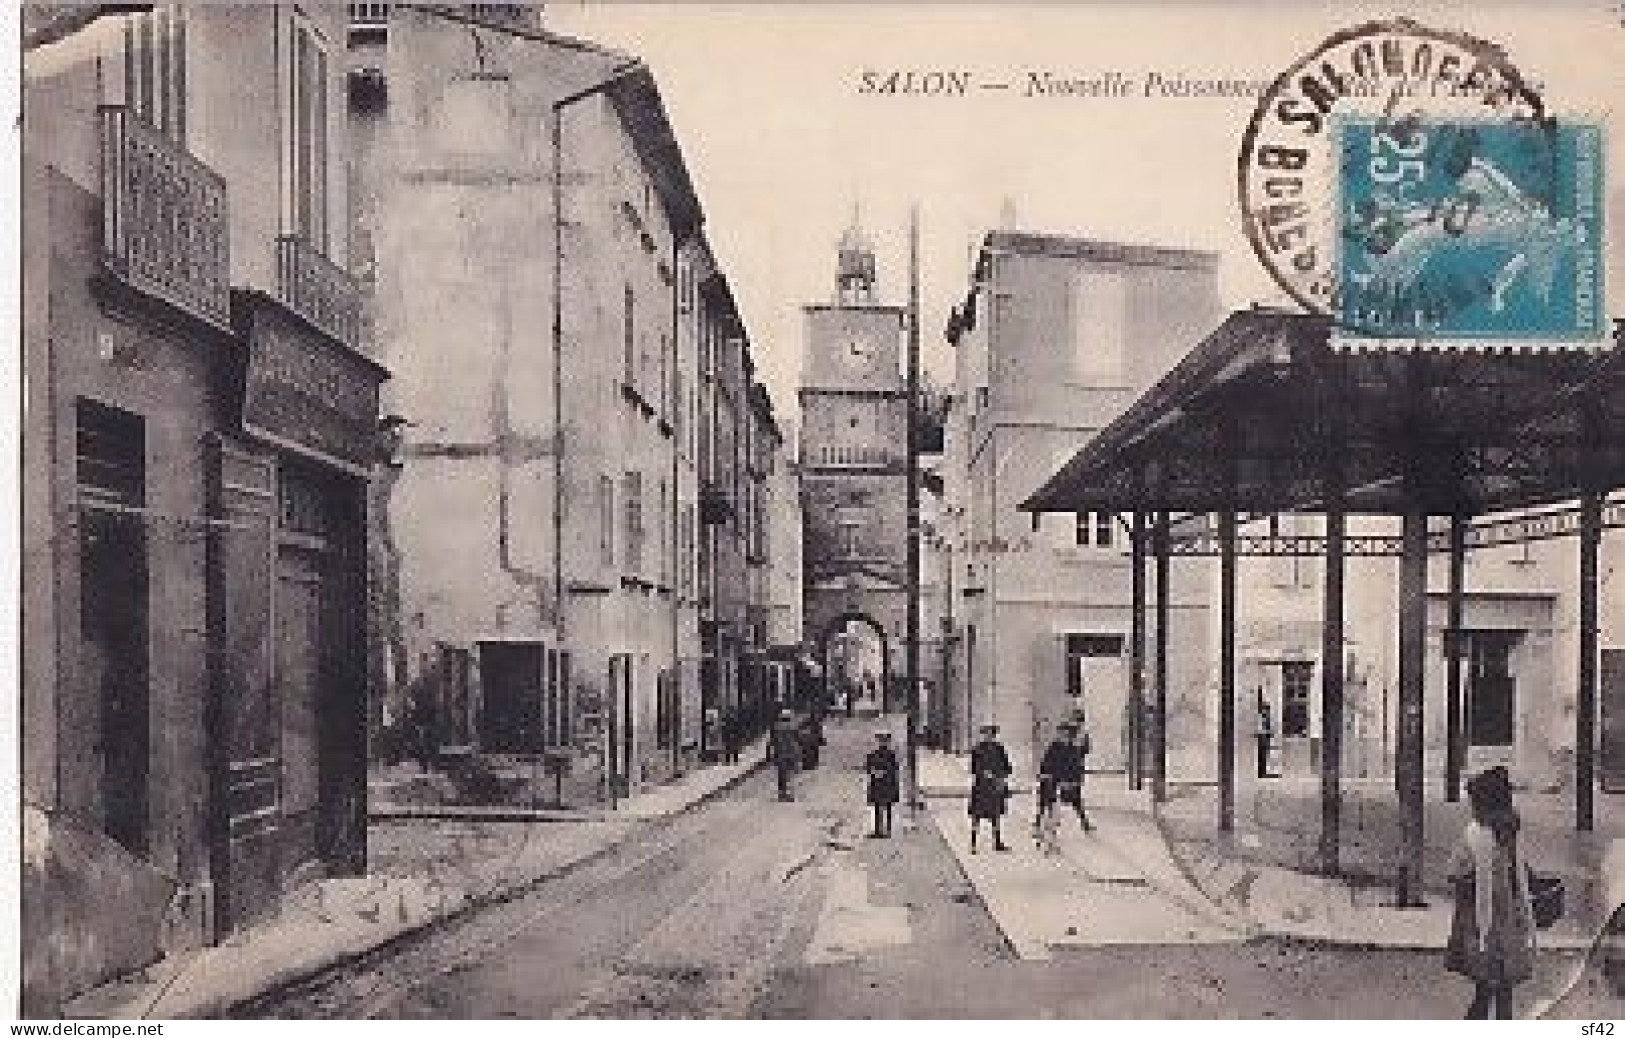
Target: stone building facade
point(565, 515)
point(200, 428)
point(1056, 336)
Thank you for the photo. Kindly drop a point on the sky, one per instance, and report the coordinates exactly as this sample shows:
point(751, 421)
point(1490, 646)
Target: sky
point(783, 145)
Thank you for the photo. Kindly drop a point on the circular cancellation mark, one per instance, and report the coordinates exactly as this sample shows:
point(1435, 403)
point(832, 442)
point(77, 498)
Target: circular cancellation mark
point(1407, 182)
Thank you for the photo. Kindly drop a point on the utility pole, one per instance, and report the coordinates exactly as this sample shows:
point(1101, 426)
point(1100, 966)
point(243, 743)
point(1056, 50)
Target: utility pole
point(911, 667)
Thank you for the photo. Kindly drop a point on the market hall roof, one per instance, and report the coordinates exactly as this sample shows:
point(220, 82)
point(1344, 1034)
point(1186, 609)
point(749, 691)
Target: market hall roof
point(1256, 415)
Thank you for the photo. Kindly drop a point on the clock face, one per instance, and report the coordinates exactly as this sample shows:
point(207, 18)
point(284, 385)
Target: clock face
point(858, 353)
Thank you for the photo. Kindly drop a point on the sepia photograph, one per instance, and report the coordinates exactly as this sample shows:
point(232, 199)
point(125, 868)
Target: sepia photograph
point(767, 511)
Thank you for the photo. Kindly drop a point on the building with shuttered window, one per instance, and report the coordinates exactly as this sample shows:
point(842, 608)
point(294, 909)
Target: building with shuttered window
point(199, 431)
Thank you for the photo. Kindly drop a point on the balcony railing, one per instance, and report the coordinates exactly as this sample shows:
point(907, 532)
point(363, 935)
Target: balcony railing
point(851, 457)
point(369, 16)
point(164, 224)
point(318, 289)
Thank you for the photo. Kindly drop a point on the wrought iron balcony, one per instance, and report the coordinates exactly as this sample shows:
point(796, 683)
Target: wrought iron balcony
point(851, 457)
point(318, 289)
point(164, 226)
point(369, 16)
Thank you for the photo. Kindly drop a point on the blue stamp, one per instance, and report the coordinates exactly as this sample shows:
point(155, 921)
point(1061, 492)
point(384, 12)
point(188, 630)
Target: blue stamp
point(1469, 229)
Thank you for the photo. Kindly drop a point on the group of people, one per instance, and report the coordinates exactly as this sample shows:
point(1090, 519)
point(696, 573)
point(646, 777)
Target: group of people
point(1493, 924)
point(1060, 782)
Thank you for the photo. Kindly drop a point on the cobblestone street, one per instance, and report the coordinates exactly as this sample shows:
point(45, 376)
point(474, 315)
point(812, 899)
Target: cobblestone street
point(747, 907)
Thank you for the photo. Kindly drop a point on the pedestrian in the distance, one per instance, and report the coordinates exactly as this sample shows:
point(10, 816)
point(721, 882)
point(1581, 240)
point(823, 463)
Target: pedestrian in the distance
point(812, 740)
point(732, 736)
point(884, 786)
point(1060, 772)
point(989, 785)
point(1492, 929)
point(784, 748)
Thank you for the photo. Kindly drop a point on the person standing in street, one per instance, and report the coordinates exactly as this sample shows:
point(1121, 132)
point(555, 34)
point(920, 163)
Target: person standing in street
point(812, 739)
point(1492, 928)
point(989, 785)
point(1061, 769)
point(784, 748)
point(884, 786)
point(732, 735)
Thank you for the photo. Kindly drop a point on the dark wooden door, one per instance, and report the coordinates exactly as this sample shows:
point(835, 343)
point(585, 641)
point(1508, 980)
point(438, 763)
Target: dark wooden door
point(243, 723)
point(1611, 762)
point(300, 611)
point(1491, 688)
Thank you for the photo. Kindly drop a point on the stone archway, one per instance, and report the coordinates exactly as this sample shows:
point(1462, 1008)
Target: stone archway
point(838, 675)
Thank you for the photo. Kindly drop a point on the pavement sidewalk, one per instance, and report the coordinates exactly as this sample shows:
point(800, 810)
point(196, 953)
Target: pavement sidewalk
point(421, 872)
point(1265, 869)
point(1115, 886)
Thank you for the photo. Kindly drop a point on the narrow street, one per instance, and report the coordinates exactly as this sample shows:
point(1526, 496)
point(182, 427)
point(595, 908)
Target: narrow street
point(746, 907)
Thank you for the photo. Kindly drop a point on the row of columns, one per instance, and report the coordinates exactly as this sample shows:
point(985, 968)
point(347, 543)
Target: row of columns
point(1148, 748)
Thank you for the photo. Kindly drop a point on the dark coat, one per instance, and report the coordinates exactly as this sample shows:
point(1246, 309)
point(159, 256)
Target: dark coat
point(1063, 761)
point(1508, 951)
point(884, 786)
point(784, 745)
point(990, 786)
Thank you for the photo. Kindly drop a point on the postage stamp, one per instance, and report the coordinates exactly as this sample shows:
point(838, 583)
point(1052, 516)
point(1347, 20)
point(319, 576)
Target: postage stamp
point(1469, 229)
point(1410, 184)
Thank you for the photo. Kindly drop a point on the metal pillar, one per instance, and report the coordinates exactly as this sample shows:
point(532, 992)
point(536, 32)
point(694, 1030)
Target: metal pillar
point(1136, 672)
point(1585, 705)
point(1408, 748)
point(1227, 671)
point(1331, 681)
point(1455, 744)
point(1159, 719)
point(911, 668)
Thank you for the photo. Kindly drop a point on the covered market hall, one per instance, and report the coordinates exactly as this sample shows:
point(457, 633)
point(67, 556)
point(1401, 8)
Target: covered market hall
point(1277, 412)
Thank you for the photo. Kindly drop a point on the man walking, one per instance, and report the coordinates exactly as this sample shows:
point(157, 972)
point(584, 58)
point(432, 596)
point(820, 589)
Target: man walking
point(884, 786)
point(989, 785)
point(1060, 773)
point(784, 749)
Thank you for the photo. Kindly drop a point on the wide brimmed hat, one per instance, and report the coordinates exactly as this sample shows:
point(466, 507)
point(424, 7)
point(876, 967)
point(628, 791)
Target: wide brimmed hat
point(990, 729)
point(1068, 726)
point(882, 735)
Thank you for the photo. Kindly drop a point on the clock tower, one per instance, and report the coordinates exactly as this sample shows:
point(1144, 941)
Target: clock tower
point(854, 457)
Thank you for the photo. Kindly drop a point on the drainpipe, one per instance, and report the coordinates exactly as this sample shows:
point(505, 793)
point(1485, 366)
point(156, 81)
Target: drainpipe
point(619, 73)
point(673, 497)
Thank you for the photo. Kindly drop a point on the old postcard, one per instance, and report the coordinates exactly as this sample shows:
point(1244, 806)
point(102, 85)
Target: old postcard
point(834, 510)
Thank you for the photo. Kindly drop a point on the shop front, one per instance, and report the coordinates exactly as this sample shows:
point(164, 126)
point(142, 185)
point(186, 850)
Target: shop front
point(289, 609)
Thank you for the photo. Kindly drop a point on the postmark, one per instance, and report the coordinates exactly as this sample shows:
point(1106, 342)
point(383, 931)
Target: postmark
point(1409, 183)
